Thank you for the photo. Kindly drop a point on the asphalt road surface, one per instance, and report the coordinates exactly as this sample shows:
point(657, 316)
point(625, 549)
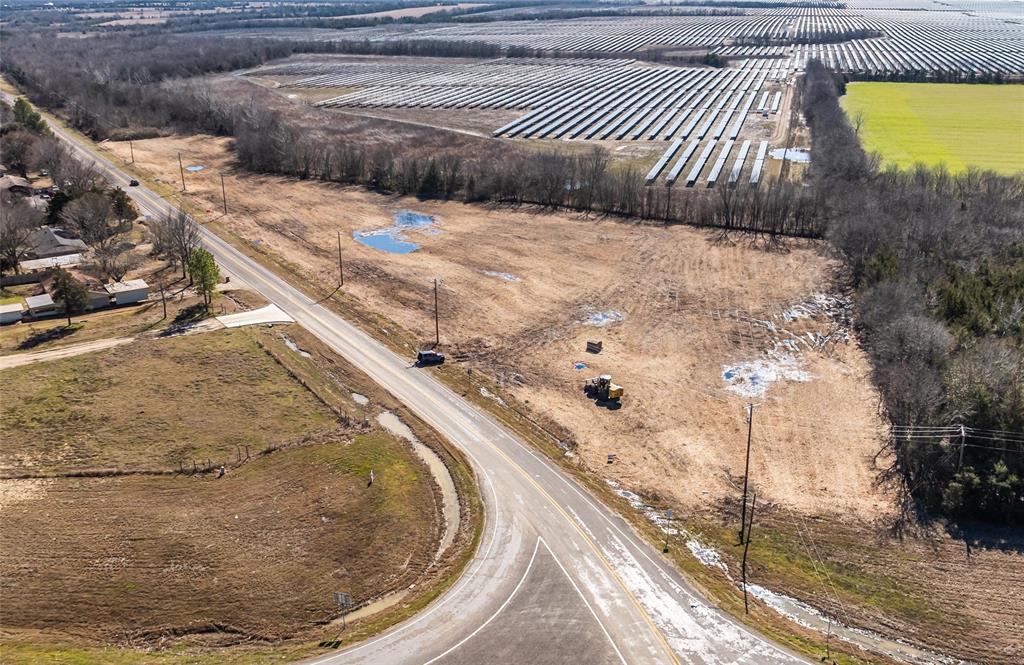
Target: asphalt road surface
point(558, 578)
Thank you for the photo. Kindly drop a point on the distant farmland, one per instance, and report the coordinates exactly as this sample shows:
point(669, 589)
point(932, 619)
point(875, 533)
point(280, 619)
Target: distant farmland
point(958, 125)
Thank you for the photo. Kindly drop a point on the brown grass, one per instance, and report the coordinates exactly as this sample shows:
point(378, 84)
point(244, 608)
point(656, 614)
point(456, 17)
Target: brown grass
point(680, 436)
point(152, 404)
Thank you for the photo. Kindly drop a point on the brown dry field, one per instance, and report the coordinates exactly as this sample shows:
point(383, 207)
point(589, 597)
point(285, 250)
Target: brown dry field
point(691, 303)
point(680, 433)
point(123, 560)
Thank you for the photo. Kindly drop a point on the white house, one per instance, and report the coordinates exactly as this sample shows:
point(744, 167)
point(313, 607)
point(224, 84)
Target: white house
point(10, 313)
point(126, 293)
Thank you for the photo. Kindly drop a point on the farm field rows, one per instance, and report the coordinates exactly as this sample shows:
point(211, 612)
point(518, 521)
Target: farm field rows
point(956, 125)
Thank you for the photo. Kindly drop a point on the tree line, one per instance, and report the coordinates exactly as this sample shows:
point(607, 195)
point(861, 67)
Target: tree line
point(937, 260)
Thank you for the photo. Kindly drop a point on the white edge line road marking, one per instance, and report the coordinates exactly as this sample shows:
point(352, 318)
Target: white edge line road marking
point(111, 170)
point(587, 603)
point(463, 582)
point(496, 612)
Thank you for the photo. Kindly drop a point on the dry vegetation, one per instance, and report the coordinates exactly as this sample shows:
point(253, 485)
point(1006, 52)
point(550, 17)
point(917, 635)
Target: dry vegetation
point(150, 558)
point(682, 294)
point(693, 303)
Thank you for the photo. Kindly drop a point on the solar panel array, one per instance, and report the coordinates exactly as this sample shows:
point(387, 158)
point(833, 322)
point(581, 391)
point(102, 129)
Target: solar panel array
point(867, 36)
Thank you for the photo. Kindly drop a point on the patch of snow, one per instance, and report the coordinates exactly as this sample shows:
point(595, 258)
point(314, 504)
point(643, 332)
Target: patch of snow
point(484, 392)
point(601, 319)
point(290, 343)
point(754, 377)
point(361, 400)
point(706, 555)
point(507, 276)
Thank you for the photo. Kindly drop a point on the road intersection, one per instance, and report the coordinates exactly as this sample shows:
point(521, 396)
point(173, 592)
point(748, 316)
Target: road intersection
point(558, 577)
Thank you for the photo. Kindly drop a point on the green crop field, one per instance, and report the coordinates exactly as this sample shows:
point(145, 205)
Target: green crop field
point(959, 125)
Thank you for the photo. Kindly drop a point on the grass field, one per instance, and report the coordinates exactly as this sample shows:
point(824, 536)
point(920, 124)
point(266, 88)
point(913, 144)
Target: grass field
point(956, 125)
point(196, 561)
point(131, 407)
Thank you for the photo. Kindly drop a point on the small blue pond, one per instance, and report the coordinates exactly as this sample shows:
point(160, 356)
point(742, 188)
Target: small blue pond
point(193, 169)
point(392, 239)
point(792, 154)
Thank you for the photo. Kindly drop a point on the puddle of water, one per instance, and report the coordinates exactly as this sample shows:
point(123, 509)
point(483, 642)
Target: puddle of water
point(194, 169)
point(579, 365)
point(793, 154)
point(361, 400)
point(508, 277)
point(450, 499)
point(604, 318)
point(392, 239)
point(295, 347)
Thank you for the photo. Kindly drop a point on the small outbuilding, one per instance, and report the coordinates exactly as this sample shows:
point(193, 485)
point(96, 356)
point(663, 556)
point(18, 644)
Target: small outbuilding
point(42, 305)
point(97, 299)
point(66, 261)
point(10, 313)
point(128, 292)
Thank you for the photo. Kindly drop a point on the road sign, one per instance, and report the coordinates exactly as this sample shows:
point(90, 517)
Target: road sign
point(342, 600)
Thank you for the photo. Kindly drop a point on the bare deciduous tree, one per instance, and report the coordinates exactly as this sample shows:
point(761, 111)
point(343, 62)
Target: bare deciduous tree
point(176, 237)
point(90, 217)
point(18, 220)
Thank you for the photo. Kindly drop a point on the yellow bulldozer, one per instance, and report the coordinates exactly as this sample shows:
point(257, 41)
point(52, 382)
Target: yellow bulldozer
point(602, 389)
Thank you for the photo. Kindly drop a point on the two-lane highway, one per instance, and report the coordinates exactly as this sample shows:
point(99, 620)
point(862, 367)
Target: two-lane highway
point(558, 577)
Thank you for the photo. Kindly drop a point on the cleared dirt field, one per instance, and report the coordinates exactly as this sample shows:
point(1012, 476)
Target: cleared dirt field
point(690, 309)
point(517, 288)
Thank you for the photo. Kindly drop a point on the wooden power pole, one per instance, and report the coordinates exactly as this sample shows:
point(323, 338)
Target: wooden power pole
point(746, 469)
point(223, 194)
point(181, 168)
point(341, 267)
point(746, 546)
point(132, 149)
point(437, 324)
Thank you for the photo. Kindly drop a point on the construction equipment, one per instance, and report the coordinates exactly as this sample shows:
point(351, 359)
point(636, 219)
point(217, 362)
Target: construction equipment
point(602, 389)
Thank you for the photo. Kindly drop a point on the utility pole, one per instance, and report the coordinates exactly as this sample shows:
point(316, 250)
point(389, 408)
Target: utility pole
point(746, 470)
point(828, 639)
point(223, 193)
point(163, 298)
point(437, 324)
point(132, 149)
point(963, 442)
point(182, 169)
point(746, 546)
point(341, 267)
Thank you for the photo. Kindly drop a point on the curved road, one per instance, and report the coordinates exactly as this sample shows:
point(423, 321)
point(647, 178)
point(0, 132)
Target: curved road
point(558, 577)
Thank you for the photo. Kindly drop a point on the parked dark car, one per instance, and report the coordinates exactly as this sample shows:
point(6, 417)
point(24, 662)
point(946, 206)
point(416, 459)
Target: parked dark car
point(429, 357)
